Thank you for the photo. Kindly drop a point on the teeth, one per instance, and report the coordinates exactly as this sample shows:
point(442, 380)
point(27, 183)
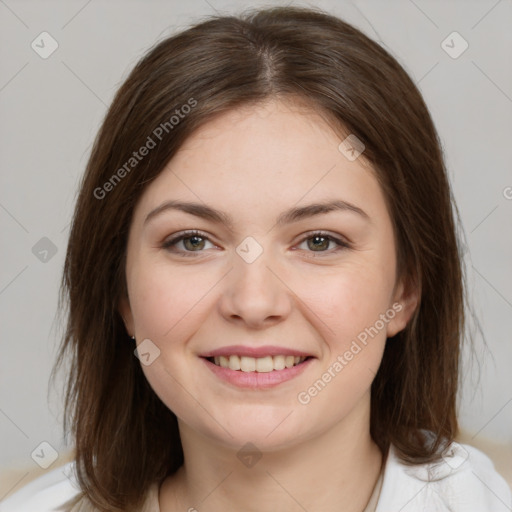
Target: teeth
point(279, 363)
point(234, 363)
point(260, 365)
point(247, 364)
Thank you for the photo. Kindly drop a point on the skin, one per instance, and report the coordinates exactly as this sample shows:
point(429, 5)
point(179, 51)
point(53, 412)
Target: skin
point(253, 163)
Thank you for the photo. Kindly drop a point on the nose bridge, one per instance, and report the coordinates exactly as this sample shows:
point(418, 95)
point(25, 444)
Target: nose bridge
point(251, 266)
point(253, 292)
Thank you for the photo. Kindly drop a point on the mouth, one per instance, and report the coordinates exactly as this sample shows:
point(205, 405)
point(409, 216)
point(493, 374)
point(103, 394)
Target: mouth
point(265, 364)
point(257, 373)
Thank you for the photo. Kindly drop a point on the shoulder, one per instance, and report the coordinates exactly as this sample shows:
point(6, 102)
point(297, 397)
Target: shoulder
point(58, 491)
point(464, 480)
point(48, 493)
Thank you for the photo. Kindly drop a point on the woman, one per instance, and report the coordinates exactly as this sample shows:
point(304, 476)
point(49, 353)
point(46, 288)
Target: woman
point(265, 287)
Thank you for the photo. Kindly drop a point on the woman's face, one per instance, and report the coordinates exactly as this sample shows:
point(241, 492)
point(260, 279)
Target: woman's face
point(260, 281)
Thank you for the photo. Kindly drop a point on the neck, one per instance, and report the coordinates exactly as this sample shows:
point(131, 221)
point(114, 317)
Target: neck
point(338, 466)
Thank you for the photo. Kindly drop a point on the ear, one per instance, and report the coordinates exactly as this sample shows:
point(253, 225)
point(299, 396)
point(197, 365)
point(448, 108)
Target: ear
point(405, 302)
point(125, 311)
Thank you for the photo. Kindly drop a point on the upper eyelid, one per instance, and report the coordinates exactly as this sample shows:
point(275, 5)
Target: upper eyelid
point(185, 234)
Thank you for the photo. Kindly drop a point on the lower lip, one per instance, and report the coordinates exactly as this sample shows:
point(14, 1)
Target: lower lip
point(257, 380)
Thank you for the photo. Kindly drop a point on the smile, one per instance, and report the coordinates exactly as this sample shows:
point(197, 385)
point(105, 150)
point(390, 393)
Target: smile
point(261, 364)
point(257, 373)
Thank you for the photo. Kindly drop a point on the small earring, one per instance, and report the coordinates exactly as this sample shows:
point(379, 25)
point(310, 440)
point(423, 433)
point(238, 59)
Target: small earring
point(133, 337)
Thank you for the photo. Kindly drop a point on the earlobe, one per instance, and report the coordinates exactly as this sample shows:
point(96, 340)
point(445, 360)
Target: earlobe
point(404, 304)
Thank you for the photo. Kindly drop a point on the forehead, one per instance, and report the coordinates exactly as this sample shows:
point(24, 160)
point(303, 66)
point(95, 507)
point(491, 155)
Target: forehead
point(279, 152)
point(269, 129)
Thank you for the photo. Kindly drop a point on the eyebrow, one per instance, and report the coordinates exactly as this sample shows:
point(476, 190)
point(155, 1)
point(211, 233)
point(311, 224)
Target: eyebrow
point(292, 215)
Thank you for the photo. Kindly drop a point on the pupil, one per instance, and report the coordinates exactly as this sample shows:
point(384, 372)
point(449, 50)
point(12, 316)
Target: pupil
point(196, 238)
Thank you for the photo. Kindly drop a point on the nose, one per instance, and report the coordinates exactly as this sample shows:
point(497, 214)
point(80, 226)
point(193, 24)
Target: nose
point(255, 294)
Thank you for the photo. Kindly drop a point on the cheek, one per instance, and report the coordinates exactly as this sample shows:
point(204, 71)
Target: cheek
point(347, 301)
point(351, 315)
point(166, 305)
point(165, 299)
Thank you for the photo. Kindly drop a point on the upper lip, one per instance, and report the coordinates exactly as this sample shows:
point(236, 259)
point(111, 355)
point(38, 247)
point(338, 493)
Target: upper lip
point(256, 352)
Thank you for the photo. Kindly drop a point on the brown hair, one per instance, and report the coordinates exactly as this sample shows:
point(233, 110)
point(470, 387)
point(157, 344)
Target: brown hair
point(125, 437)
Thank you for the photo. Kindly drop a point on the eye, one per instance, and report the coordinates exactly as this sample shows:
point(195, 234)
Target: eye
point(193, 241)
point(319, 242)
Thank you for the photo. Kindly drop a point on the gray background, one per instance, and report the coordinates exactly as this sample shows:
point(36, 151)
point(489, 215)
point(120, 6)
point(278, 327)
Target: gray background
point(50, 111)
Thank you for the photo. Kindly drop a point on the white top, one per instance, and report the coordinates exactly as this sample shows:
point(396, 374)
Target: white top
point(463, 481)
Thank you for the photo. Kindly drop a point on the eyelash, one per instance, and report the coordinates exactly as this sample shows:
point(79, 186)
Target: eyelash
point(189, 234)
